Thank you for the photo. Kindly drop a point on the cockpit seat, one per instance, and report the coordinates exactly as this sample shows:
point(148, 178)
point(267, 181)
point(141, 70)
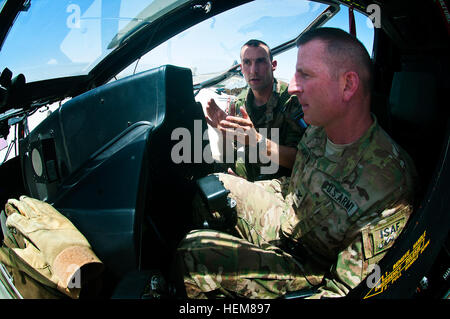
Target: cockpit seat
point(413, 120)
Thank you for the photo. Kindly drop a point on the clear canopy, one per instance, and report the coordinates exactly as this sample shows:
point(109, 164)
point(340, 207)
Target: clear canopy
point(66, 37)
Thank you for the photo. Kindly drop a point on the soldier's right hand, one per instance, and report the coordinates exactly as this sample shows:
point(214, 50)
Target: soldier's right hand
point(214, 114)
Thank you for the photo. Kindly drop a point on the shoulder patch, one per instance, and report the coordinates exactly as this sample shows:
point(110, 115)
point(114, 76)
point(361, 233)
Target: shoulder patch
point(337, 194)
point(382, 237)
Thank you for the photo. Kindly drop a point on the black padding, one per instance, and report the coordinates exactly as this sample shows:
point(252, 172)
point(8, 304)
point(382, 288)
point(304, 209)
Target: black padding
point(114, 176)
point(413, 98)
point(213, 192)
point(414, 121)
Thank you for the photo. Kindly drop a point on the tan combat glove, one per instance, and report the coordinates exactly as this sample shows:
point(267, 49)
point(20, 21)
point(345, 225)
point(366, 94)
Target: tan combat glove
point(50, 244)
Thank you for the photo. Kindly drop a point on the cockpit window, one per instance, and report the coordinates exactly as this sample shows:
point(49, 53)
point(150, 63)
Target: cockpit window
point(73, 36)
point(213, 46)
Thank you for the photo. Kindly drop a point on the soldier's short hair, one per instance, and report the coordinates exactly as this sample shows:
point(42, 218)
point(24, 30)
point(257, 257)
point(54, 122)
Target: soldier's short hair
point(257, 43)
point(343, 49)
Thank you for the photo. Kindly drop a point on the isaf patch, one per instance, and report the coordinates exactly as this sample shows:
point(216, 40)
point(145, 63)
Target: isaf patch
point(384, 236)
point(340, 197)
point(379, 238)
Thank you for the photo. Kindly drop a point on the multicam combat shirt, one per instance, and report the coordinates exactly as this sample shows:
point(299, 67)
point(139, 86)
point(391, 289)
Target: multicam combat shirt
point(282, 112)
point(349, 207)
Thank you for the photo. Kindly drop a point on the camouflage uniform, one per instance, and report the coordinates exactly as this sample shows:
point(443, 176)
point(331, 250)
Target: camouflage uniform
point(283, 112)
point(335, 217)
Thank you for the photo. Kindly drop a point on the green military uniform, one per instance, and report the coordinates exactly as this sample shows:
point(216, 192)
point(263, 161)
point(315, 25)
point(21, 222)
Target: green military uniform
point(322, 229)
point(283, 112)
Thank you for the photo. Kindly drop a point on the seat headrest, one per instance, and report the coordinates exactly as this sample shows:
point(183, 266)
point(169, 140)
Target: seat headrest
point(413, 98)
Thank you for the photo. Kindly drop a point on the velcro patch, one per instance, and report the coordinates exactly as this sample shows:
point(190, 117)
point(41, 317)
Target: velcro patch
point(383, 236)
point(338, 195)
point(379, 238)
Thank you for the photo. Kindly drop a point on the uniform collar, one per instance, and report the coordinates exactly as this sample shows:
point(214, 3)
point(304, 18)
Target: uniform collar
point(341, 165)
point(271, 103)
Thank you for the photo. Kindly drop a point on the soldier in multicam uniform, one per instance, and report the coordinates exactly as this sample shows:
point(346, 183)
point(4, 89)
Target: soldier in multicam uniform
point(268, 105)
point(350, 182)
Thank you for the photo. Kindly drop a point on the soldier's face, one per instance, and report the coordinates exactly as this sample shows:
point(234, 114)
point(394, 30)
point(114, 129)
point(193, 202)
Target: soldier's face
point(257, 67)
point(314, 85)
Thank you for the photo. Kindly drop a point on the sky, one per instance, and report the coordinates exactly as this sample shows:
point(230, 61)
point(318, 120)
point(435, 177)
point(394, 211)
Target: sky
point(214, 45)
point(67, 37)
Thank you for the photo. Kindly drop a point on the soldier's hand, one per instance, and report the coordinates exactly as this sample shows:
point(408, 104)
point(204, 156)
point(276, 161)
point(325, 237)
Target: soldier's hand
point(231, 172)
point(231, 108)
point(214, 114)
point(240, 128)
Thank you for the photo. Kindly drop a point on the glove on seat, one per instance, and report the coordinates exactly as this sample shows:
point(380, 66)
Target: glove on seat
point(44, 239)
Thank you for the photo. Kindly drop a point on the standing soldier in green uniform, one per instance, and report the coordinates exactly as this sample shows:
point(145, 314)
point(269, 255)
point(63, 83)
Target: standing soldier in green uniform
point(268, 105)
point(323, 230)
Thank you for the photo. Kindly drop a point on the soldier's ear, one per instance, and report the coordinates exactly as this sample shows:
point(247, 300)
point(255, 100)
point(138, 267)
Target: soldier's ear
point(350, 85)
point(274, 65)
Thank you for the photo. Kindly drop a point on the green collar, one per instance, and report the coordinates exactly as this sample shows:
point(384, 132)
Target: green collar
point(343, 164)
point(271, 104)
